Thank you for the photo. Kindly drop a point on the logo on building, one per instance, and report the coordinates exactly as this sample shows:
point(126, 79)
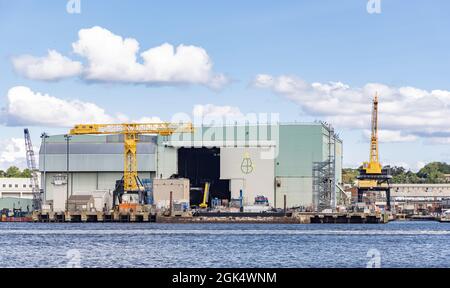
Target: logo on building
point(247, 164)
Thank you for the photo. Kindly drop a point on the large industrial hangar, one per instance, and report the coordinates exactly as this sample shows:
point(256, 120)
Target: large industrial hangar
point(274, 161)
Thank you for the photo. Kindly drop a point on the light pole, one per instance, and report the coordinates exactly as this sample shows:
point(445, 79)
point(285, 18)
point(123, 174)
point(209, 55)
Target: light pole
point(67, 170)
point(44, 137)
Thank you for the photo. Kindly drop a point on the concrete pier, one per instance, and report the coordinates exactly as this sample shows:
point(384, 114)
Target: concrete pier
point(85, 217)
point(204, 217)
point(342, 218)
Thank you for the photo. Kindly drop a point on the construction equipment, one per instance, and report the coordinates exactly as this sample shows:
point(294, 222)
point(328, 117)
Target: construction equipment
point(204, 204)
point(31, 163)
point(372, 176)
point(130, 183)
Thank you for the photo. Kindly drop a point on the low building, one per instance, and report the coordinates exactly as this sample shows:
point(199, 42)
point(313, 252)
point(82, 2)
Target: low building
point(16, 193)
point(419, 197)
point(16, 188)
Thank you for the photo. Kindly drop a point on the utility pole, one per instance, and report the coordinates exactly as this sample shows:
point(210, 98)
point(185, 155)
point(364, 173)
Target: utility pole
point(67, 170)
point(44, 137)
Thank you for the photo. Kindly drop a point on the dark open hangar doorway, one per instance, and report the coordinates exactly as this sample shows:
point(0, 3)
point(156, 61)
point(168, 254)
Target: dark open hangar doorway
point(202, 165)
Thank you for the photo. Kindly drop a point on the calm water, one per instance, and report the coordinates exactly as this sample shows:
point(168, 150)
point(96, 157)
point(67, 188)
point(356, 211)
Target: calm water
point(400, 244)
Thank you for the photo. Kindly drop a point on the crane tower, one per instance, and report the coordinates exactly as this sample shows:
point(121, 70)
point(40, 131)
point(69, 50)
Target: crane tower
point(372, 176)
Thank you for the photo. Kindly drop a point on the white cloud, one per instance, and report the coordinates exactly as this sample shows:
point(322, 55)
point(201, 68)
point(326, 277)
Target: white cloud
point(112, 58)
point(394, 163)
point(12, 152)
point(438, 141)
point(389, 136)
point(405, 113)
point(148, 120)
point(420, 165)
point(54, 66)
point(210, 114)
point(26, 107)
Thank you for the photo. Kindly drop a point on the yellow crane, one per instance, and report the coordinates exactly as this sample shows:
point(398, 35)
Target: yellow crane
point(204, 203)
point(372, 176)
point(131, 133)
point(374, 166)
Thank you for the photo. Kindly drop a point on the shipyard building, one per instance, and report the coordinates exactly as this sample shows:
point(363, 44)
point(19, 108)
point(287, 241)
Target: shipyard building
point(282, 163)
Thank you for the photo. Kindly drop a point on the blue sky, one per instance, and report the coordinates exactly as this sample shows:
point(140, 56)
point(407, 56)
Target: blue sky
point(406, 45)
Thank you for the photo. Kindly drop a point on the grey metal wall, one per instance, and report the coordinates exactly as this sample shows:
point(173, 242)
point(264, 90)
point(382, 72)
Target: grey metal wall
point(81, 183)
point(256, 179)
point(93, 153)
point(300, 145)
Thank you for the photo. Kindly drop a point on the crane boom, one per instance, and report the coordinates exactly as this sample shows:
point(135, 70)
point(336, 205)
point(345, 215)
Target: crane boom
point(131, 132)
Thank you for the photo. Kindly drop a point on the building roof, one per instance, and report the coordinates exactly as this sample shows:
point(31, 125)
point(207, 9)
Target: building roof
point(420, 190)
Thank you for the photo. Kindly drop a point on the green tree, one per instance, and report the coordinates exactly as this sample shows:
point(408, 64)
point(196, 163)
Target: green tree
point(13, 171)
point(407, 177)
point(434, 172)
point(349, 175)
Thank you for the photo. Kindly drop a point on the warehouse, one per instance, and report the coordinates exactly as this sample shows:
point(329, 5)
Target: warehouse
point(273, 161)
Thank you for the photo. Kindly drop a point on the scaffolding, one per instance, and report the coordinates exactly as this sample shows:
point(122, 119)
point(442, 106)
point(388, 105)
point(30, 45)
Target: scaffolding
point(324, 176)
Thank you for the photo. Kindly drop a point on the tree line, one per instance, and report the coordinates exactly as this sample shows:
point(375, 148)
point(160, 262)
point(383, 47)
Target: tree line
point(15, 172)
point(434, 172)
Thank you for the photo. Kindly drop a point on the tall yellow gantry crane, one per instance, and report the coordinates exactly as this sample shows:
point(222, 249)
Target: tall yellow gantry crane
point(372, 176)
point(131, 133)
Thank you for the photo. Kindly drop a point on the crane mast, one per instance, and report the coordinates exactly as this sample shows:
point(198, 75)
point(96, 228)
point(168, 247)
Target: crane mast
point(374, 166)
point(131, 133)
point(31, 164)
point(374, 138)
